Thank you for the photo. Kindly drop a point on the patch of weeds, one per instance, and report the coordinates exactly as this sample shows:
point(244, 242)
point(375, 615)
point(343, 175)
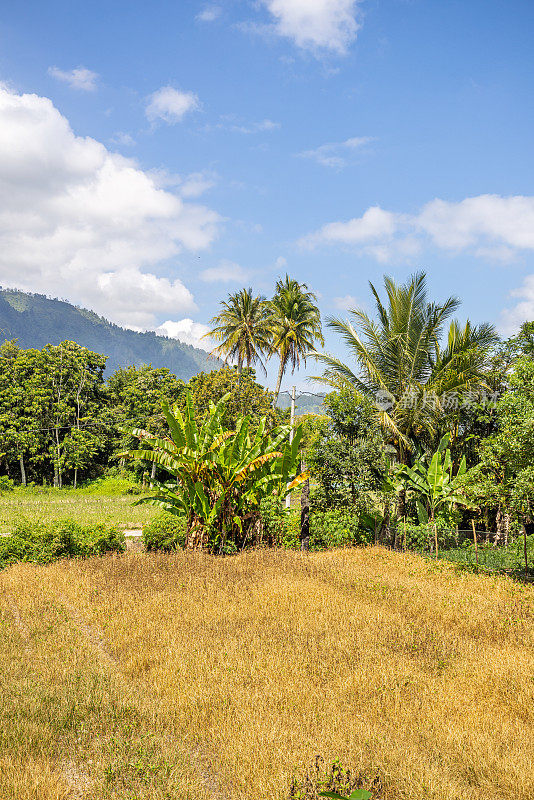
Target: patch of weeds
point(135, 762)
point(336, 782)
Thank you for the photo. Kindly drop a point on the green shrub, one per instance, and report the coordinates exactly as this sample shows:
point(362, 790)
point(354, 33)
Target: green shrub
point(43, 543)
point(328, 529)
point(165, 532)
point(112, 485)
point(6, 484)
point(337, 528)
point(421, 537)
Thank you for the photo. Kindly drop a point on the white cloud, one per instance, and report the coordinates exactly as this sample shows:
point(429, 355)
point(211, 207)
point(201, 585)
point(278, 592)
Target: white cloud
point(256, 127)
point(281, 262)
point(188, 186)
point(209, 14)
point(337, 154)
point(489, 226)
point(346, 303)
point(226, 272)
point(186, 331)
point(80, 78)
point(123, 139)
point(171, 105)
point(486, 218)
point(79, 221)
point(374, 225)
point(317, 25)
point(523, 311)
point(229, 122)
point(197, 183)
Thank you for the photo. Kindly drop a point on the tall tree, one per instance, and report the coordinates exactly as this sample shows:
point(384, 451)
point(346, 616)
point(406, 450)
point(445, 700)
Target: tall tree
point(401, 366)
point(296, 325)
point(242, 328)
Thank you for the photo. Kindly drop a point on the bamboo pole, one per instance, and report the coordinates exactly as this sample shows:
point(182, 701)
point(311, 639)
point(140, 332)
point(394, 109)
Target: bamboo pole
point(475, 540)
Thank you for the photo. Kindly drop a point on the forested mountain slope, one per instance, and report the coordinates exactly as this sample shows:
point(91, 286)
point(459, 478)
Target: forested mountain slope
point(36, 320)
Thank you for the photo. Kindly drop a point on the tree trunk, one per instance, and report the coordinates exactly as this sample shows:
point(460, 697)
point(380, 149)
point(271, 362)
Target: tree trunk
point(22, 470)
point(75, 477)
point(506, 527)
point(305, 517)
point(385, 527)
point(58, 481)
point(499, 527)
point(152, 474)
point(279, 381)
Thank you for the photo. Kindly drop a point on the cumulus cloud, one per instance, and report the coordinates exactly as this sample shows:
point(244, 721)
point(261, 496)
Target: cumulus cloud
point(346, 303)
point(79, 221)
point(226, 272)
point(337, 155)
point(80, 78)
point(523, 311)
point(317, 25)
point(170, 105)
point(186, 331)
point(188, 186)
point(375, 225)
point(489, 226)
point(209, 14)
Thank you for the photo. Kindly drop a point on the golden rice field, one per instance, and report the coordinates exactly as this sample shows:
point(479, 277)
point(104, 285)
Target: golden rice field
point(194, 677)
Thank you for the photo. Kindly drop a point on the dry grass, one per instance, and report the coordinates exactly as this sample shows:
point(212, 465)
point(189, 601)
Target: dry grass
point(236, 672)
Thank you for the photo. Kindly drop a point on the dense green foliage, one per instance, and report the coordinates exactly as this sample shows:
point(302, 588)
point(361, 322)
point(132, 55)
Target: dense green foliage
point(45, 542)
point(166, 532)
point(218, 475)
point(243, 329)
point(401, 366)
point(345, 453)
point(61, 422)
point(430, 429)
point(35, 321)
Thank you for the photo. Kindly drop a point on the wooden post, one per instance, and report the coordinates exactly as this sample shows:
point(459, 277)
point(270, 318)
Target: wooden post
point(525, 550)
point(291, 431)
point(475, 540)
point(305, 517)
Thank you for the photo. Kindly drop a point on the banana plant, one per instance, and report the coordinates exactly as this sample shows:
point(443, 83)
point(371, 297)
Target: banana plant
point(435, 486)
point(218, 477)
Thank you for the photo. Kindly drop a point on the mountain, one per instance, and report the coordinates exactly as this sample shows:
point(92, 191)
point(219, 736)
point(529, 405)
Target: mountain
point(306, 403)
point(36, 320)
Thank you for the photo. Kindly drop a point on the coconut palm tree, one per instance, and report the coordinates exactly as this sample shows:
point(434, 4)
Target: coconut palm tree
point(295, 323)
point(400, 364)
point(242, 328)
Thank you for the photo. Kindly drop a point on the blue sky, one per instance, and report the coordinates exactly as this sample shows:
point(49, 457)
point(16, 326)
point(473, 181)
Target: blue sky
point(154, 157)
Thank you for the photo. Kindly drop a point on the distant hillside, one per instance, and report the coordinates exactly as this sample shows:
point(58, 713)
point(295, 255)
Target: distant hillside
point(305, 403)
point(36, 320)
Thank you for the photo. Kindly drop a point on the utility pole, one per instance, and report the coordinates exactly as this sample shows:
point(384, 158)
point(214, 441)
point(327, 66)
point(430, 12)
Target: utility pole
point(291, 430)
